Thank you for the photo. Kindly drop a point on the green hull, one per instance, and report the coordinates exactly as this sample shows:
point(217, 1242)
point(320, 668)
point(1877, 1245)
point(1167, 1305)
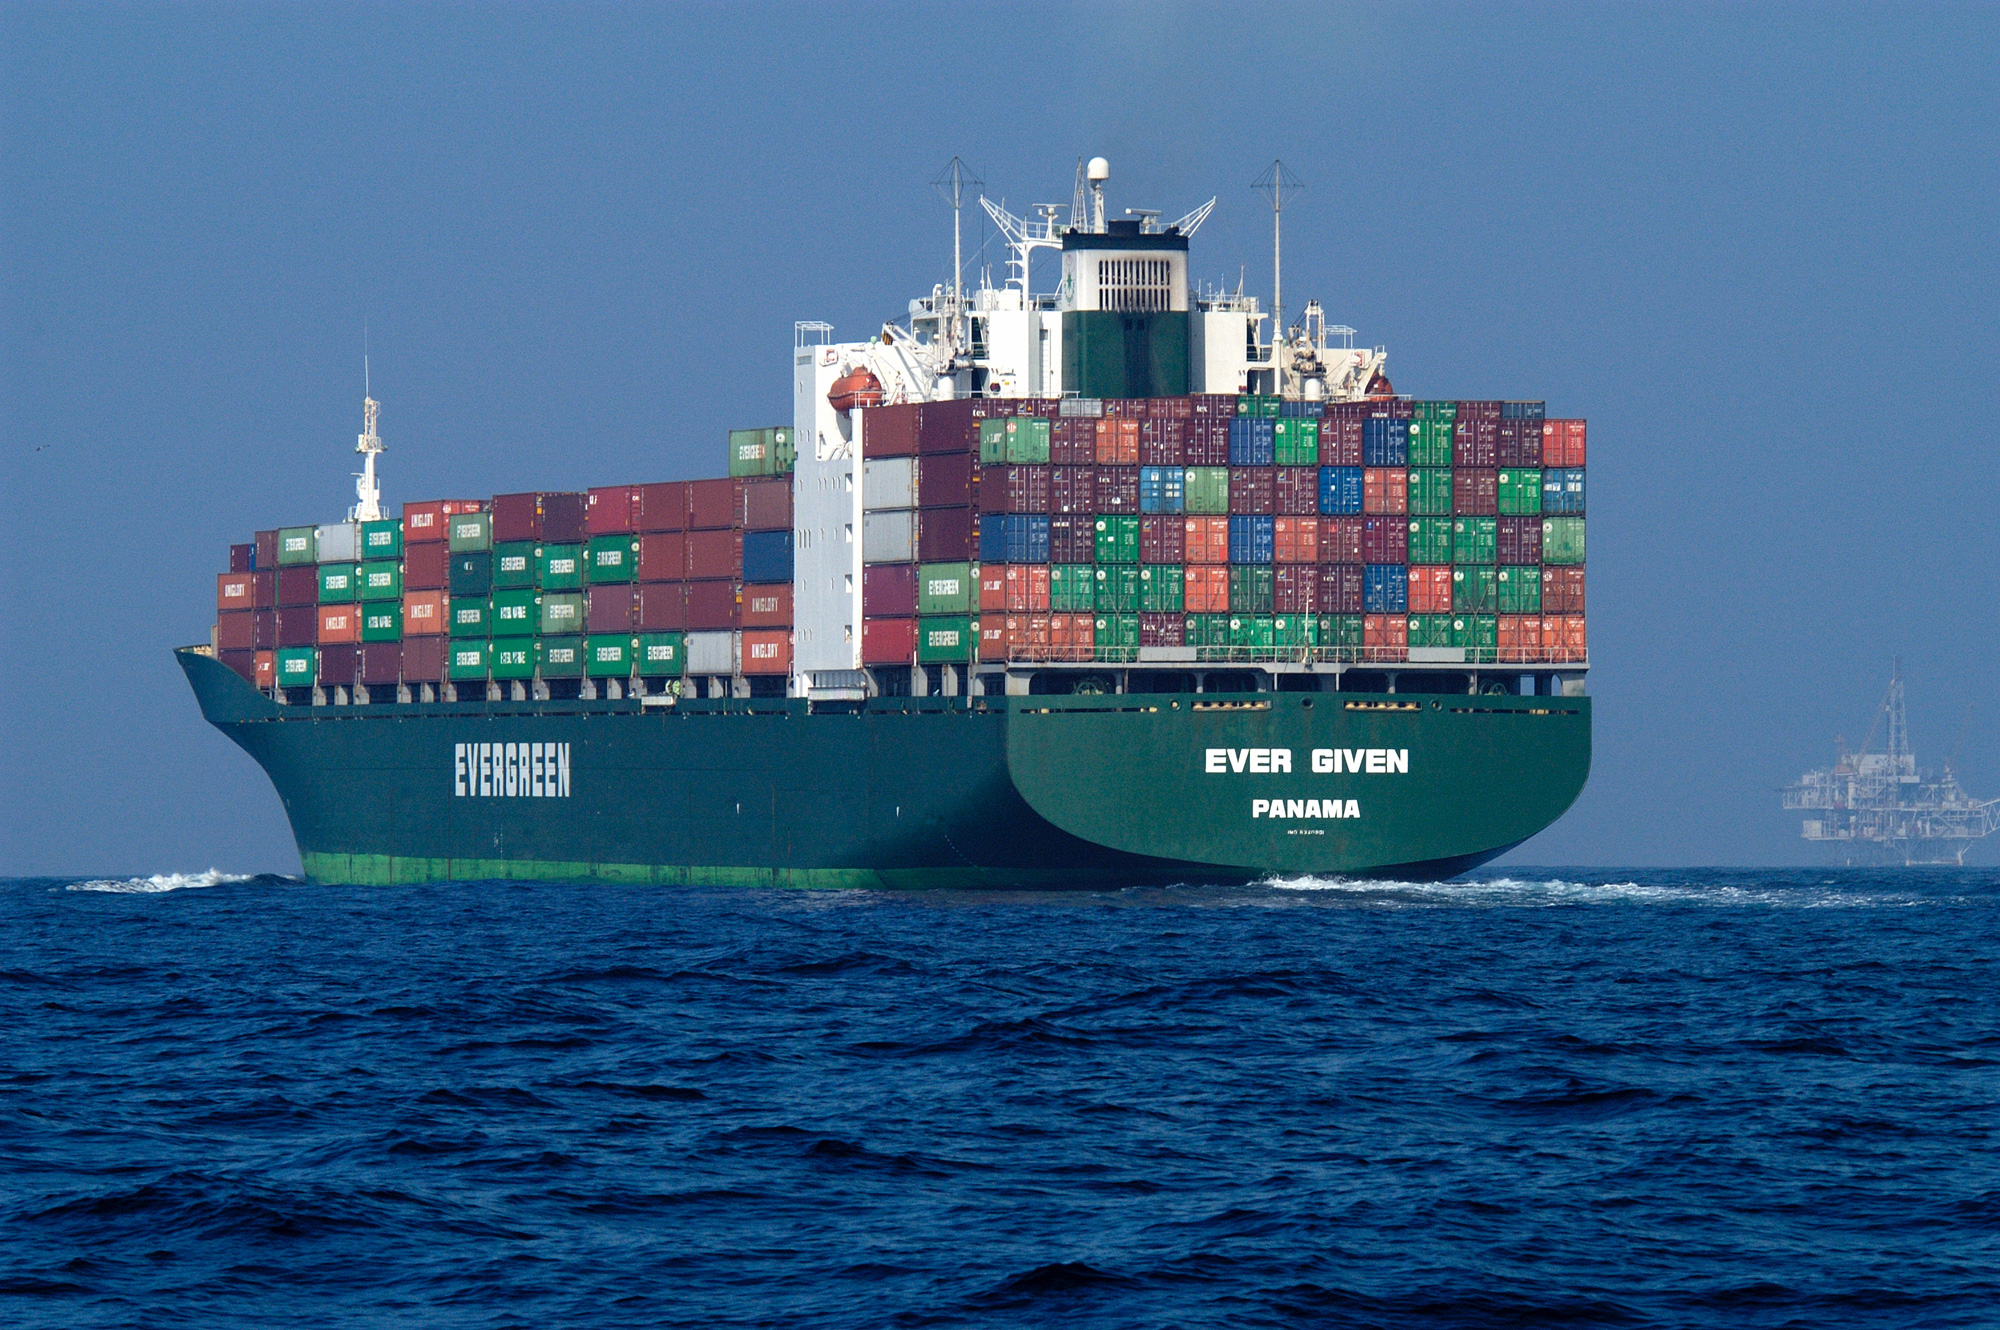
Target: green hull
point(982, 792)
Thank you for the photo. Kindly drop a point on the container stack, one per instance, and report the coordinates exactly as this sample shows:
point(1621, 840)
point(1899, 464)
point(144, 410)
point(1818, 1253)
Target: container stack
point(921, 483)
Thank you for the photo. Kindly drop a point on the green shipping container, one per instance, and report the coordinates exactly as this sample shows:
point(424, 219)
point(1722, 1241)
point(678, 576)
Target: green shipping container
point(1162, 588)
point(946, 588)
point(761, 452)
point(1118, 589)
point(339, 583)
point(1072, 587)
point(947, 640)
point(1430, 443)
point(1430, 491)
point(297, 667)
point(298, 544)
point(1430, 540)
point(1117, 636)
point(1297, 441)
point(1520, 491)
point(1206, 631)
point(559, 657)
point(1207, 493)
point(662, 655)
point(382, 621)
point(609, 655)
point(1294, 632)
point(559, 567)
point(514, 565)
point(1562, 540)
point(381, 581)
point(514, 658)
point(562, 614)
point(471, 659)
point(516, 614)
point(612, 559)
point(1479, 634)
point(1520, 589)
point(1250, 632)
point(1251, 404)
point(1473, 590)
point(1435, 410)
point(382, 540)
point(1023, 441)
point(470, 532)
point(1475, 540)
point(1252, 588)
point(471, 616)
point(1340, 632)
point(1118, 540)
point(1430, 630)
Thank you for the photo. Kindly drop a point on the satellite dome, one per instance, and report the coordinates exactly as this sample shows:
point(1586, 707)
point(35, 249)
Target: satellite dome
point(1099, 169)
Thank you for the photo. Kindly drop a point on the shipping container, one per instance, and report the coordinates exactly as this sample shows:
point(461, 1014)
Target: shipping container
point(661, 655)
point(426, 567)
point(1340, 588)
point(1162, 540)
point(1252, 588)
point(1114, 637)
point(1162, 489)
point(1252, 633)
point(236, 591)
point(1070, 637)
point(1563, 443)
point(1252, 539)
point(767, 606)
point(1206, 588)
point(1340, 442)
point(559, 567)
point(664, 506)
point(1387, 539)
point(1161, 630)
point(1117, 588)
point(1295, 442)
point(889, 536)
point(1207, 443)
point(711, 505)
point(423, 613)
point(1209, 632)
point(614, 558)
point(609, 655)
point(1475, 443)
point(1562, 491)
point(1253, 491)
point(1477, 635)
point(1385, 491)
point(766, 505)
point(513, 658)
point(471, 616)
point(1562, 590)
point(1474, 590)
point(469, 532)
point(662, 556)
point(1252, 441)
point(1520, 638)
point(1296, 491)
point(381, 621)
point(1428, 632)
point(1206, 490)
point(425, 523)
point(1430, 588)
point(1163, 443)
point(761, 452)
point(1014, 489)
point(1030, 586)
point(298, 584)
point(1430, 492)
point(423, 658)
point(947, 639)
point(381, 660)
point(297, 626)
point(767, 556)
point(1206, 539)
point(1117, 443)
point(559, 657)
point(662, 607)
point(1295, 539)
point(611, 510)
point(1523, 410)
point(944, 588)
point(607, 609)
point(1340, 539)
point(243, 558)
point(1517, 444)
point(767, 651)
point(1340, 489)
point(993, 587)
point(1116, 539)
point(1162, 589)
point(297, 667)
point(1431, 443)
point(944, 480)
point(1475, 540)
point(1072, 587)
point(298, 545)
point(1073, 489)
point(713, 554)
point(513, 566)
point(1519, 589)
point(1519, 491)
point(1385, 589)
point(888, 641)
point(339, 542)
point(891, 431)
point(236, 630)
point(889, 590)
point(1473, 493)
point(1118, 489)
point(562, 613)
point(1385, 444)
point(267, 550)
point(1295, 588)
point(888, 483)
point(1562, 539)
point(1021, 537)
point(713, 605)
point(947, 535)
point(471, 573)
point(1520, 540)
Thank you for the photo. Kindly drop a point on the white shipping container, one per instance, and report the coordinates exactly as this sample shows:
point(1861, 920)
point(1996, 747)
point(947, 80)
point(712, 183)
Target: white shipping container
point(711, 653)
point(889, 482)
point(340, 543)
point(889, 537)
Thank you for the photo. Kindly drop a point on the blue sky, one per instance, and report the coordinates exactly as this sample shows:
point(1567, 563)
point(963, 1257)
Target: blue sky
point(1756, 247)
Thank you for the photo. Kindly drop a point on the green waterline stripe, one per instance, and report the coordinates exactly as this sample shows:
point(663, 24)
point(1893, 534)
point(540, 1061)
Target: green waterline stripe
point(382, 870)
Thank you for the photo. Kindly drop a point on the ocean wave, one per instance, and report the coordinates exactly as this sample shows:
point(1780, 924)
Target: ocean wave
point(159, 882)
point(1529, 892)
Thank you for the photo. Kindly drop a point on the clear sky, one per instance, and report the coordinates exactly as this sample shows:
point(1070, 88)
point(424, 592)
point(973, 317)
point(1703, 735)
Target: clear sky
point(1755, 247)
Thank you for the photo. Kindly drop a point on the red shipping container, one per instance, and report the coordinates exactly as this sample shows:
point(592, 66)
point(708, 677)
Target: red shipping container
point(1027, 588)
point(612, 609)
point(663, 507)
point(1028, 636)
point(1206, 539)
point(517, 517)
point(1562, 590)
point(1163, 442)
point(1073, 489)
point(264, 588)
point(298, 626)
point(1118, 488)
point(1430, 589)
point(888, 641)
point(1072, 636)
point(1072, 538)
point(1127, 408)
point(1385, 636)
point(1162, 630)
point(1340, 539)
point(1253, 491)
point(1563, 637)
point(426, 567)
point(1013, 489)
point(1563, 443)
point(1073, 441)
point(767, 651)
point(662, 607)
point(1519, 443)
point(1385, 490)
point(889, 590)
point(714, 553)
point(422, 522)
point(992, 637)
point(265, 665)
point(611, 509)
point(953, 427)
point(242, 558)
point(381, 663)
point(711, 505)
point(1520, 638)
point(1340, 588)
point(944, 480)
point(946, 535)
point(767, 606)
point(236, 630)
point(662, 556)
point(298, 584)
point(1298, 490)
point(1207, 589)
point(1521, 539)
point(1340, 442)
point(243, 662)
point(266, 543)
point(1475, 493)
point(562, 518)
point(236, 591)
point(993, 587)
point(1296, 539)
point(711, 605)
point(1474, 443)
point(339, 665)
point(767, 505)
point(1385, 540)
point(1208, 442)
point(891, 431)
point(423, 659)
point(423, 613)
point(337, 624)
point(1117, 442)
point(1479, 410)
point(1162, 539)
point(1297, 587)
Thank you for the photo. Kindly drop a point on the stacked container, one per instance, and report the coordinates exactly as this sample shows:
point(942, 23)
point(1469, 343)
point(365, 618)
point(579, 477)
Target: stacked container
point(927, 495)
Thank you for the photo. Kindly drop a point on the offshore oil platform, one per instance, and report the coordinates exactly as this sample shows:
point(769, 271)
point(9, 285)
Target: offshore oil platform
point(1880, 808)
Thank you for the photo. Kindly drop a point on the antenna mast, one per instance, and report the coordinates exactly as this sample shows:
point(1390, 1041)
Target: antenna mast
point(366, 488)
point(951, 183)
point(1274, 184)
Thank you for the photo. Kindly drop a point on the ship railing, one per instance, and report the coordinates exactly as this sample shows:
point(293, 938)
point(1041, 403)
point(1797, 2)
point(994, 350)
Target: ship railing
point(1093, 653)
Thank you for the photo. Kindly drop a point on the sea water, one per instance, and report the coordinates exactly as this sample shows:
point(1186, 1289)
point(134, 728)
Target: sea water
point(1536, 1098)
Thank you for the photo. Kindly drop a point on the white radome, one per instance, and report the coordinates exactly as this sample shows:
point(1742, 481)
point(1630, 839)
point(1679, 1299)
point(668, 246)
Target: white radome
point(1099, 169)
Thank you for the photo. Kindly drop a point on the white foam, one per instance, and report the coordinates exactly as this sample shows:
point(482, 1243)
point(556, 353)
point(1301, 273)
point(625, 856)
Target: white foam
point(1507, 891)
point(159, 882)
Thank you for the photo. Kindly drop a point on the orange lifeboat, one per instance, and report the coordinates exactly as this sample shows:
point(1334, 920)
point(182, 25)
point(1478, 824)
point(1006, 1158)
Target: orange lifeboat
point(857, 387)
point(1377, 387)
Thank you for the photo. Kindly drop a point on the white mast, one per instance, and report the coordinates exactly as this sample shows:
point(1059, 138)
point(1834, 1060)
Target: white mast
point(366, 487)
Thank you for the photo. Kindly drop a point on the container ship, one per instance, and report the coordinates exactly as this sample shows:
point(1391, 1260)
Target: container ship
point(1125, 583)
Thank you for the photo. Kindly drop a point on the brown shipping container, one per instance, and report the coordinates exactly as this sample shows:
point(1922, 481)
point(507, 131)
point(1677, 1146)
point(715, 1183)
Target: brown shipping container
point(1385, 540)
point(1073, 489)
point(562, 519)
point(662, 556)
point(264, 624)
point(662, 607)
point(1340, 441)
point(423, 659)
point(423, 613)
point(1340, 588)
point(710, 506)
point(1163, 442)
point(517, 517)
point(1253, 491)
point(381, 662)
point(663, 506)
point(1207, 443)
point(236, 630)
point(1072, 538)
point(243, 662)
point(767, 505)
point(267, 549)
point(1475, 443)
point(1162, 630)
point(944, 480)
point(339, 665)
point(946, 535)
point(1340, 539)
point(426, 567)
point(1073, 441)
point(612, 609)
point(611, 509)
point(264, 588)
point(890, 431)
point(949, 427)
point(1479, 410)
point(298, 584)
point(236, 591)
point(298, 626)
point(1518, 443)
point(1297, 588)
point(1298, 490)
point(1520, 539)
point(992, 637)
point(712, 553)
point(711, 605)
point(1118, 489)
point(339, 624)
point(1013, 489)
point(767, 606)
point(1163, 539)
point(888, 641)
point(1126, 408)
point(1475, 493)
point(767, 651)
point(992, 587)
point(1562, 590)
point(242, 558)
point(889, 590)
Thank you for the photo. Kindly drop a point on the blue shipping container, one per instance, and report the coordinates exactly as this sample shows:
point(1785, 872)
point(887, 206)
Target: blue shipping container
point(1524, 411)
point(1309, 410)
point(1027, 538)
point(1252, 441)
point(1162, 489)
point(1385, 589)
point(1252, 539)
point(1562, 491)
point(767, 556)
point(1385, 443)
point(1340, 489)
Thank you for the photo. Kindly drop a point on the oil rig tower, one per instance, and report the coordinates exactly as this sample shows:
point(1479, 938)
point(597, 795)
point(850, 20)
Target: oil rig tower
point(1881, 809)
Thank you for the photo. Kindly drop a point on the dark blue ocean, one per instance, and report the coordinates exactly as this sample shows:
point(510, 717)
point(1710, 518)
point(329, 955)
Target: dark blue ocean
point(1553, 1098)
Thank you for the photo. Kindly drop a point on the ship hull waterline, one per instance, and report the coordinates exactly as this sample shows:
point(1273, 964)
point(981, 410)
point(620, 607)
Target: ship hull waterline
point(1014, 792)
